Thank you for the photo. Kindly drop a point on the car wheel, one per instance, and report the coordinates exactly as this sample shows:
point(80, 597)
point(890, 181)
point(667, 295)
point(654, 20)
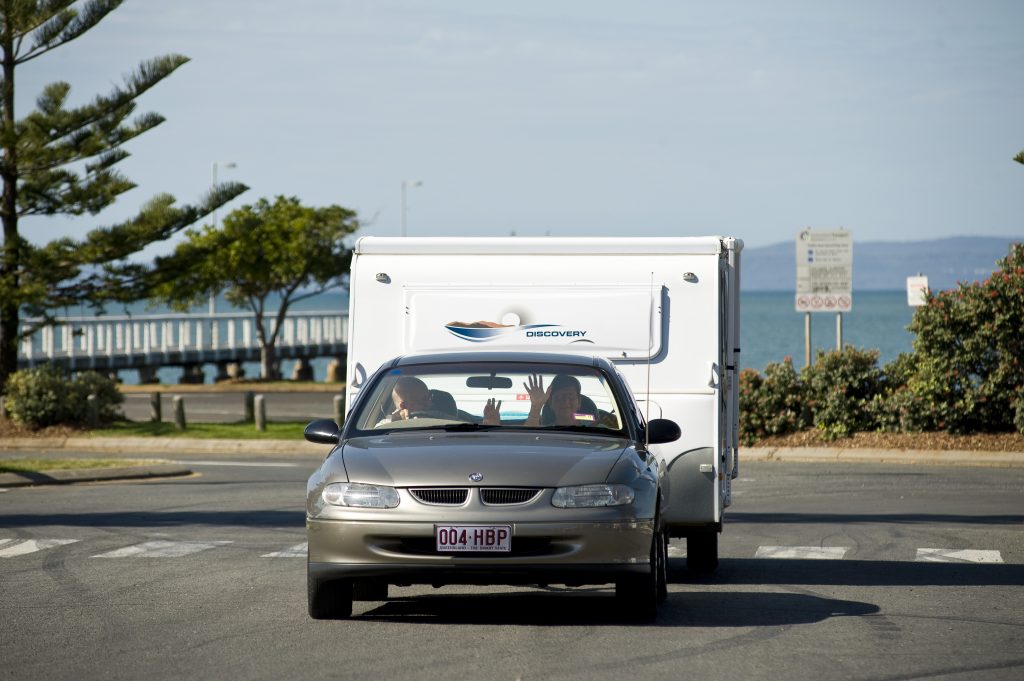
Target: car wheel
point(329, 600)
point(662, 566)
point(638, 594)
point(370, 590)
point(702, 552)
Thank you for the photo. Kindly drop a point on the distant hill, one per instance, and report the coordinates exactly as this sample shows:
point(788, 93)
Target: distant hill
point(884, 265)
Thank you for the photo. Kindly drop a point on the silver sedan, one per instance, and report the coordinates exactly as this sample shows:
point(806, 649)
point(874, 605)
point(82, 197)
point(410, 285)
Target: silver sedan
point(488, 468)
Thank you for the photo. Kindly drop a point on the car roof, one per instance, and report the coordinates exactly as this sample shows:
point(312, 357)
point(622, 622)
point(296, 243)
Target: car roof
point(502, 356)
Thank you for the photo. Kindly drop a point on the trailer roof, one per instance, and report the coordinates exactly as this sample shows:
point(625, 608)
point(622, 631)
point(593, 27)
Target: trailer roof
point(703, 245)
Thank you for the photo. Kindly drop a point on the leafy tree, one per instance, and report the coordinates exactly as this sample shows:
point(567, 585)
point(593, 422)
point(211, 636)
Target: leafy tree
point(263, 251)
point(61, 161)
point(1019, 158)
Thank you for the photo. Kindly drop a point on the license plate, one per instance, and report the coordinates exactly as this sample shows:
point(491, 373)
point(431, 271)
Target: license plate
point(458, 538)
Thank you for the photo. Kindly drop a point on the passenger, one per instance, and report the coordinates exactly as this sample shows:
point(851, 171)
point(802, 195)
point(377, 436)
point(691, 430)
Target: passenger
point(564, 397)
point(492, 409)
point(411, 396)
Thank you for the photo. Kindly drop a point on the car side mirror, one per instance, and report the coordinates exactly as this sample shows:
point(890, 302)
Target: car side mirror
point(660, 431)
point(323, 432)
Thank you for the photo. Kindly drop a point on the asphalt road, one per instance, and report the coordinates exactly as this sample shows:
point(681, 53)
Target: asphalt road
point(210, 407)
point(204, 577)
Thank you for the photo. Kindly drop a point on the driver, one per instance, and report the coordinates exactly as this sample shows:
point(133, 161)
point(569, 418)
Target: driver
point(410, 396)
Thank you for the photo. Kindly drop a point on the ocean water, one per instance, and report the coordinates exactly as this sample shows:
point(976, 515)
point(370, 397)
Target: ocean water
point(770, 329)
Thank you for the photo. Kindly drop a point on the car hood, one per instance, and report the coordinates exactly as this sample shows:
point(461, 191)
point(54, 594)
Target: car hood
point(503, 459)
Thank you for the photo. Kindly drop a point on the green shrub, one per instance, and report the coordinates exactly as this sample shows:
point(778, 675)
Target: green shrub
point(839, 389)
point(108, 397)
point(771, 404)
point(1018, 416)
point(895, 408)
point(970, 353)
point(45, 396)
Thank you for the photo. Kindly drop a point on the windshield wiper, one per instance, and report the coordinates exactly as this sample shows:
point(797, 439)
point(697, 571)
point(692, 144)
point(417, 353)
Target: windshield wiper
point(593, 430)
point(466, 427)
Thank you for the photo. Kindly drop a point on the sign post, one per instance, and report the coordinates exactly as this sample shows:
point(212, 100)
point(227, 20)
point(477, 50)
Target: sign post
point(824, 278)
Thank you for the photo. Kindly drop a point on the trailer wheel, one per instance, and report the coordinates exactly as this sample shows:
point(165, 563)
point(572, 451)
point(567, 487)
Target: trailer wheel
point(702, 552)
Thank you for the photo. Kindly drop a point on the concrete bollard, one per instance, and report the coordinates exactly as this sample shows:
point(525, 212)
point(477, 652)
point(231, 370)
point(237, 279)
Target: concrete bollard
point(92, 411)
point(155, 408)
point(339, 410)
point(261, 413)
point(179, 412)
point(249, 415)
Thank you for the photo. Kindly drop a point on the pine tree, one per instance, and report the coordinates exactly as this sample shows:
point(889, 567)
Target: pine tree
point(60, 160)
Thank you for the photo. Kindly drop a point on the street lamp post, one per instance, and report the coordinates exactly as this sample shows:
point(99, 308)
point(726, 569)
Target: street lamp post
point(405, 185)
point(213, 185)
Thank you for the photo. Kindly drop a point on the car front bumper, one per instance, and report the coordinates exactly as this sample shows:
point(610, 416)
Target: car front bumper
point(552, 552)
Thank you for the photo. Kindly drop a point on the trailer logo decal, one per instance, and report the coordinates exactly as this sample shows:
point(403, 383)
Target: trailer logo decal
point(483, 331)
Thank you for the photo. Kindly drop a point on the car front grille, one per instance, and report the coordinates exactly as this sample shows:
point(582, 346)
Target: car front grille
point(441, 496)
point(498, 496)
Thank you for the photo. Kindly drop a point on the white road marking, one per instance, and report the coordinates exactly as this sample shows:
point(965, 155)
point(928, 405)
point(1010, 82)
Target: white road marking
point(802, 552)
point(20, 547)
point(297, 551)
point(958, 556)
point(162, 549)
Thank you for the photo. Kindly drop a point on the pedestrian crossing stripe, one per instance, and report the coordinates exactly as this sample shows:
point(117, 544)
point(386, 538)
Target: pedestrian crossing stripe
point(803, 552)
point(297, 551)
point(958, 556)
point(162, 549)
point(12, 548)
point(20, 547)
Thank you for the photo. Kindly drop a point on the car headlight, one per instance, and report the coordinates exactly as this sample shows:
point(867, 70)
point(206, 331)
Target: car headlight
point(360, 495)
point(590, 496)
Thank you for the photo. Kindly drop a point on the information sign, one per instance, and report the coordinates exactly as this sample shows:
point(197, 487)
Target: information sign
point(824, 270)
point(917, 288)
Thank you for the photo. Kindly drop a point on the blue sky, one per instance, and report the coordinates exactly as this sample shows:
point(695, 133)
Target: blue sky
point(897, 120)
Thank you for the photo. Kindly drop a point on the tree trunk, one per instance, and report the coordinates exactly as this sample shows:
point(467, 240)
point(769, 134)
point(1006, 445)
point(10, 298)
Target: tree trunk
point(11, 258)
point(269, 370)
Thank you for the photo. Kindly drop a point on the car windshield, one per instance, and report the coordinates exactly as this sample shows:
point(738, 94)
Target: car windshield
point(491, 395)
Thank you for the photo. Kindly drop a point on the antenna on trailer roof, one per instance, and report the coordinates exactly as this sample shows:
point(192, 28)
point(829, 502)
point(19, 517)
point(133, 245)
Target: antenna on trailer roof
point(650, 344)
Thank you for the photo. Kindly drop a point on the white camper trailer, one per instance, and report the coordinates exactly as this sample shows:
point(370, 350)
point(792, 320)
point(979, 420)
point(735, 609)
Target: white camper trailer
point(665, 310)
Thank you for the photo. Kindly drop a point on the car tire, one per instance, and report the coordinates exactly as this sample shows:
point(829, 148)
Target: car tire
point(702, 552)
point(370, 590)
point(638, 594)
point(329, 599)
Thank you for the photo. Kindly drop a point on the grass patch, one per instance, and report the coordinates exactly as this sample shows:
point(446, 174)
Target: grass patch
point(44, 465)
point(276, 430)
point(255, 386)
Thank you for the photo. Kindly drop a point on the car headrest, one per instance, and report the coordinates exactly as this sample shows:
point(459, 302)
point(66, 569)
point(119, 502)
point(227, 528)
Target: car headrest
point(443, 401)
